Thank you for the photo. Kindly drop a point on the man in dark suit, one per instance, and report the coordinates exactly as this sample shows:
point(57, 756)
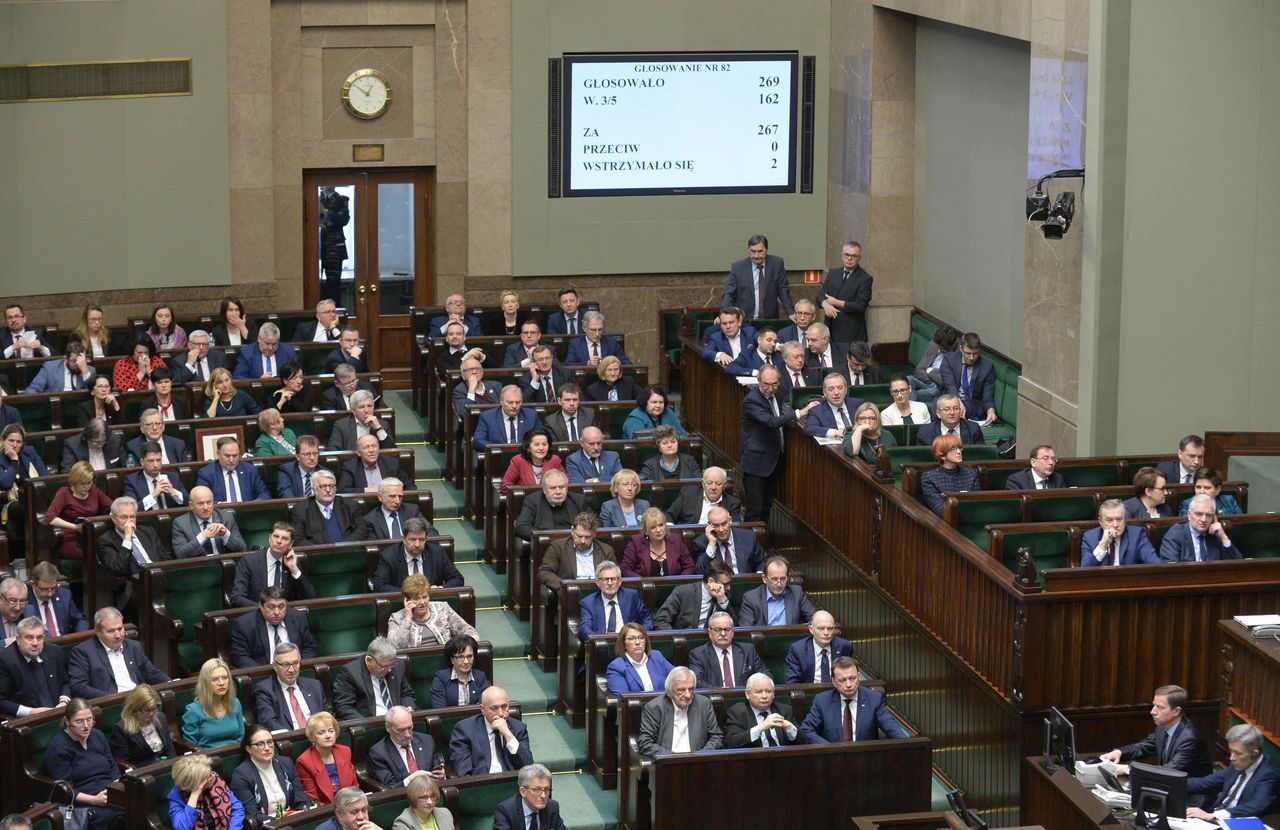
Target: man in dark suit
point(971, 377)
point(520, 353)
point(402, 751)
point(845, 295)
point(591, 462)
point(568, 320)
point(1042, 475)
point(263, 359)
point(657, 720)
point(285, 700)
point(809, 660)
point(231, 479)
point(764, 419)
point(373, 683)
point(33, 675)
point(52, 603)
point(691, 605)
point(151, 425)
point(726, 340)
point(554, 507)
point(1112, 543)
point(292, 477)
point(605, 611)
point(320, 330)
point(804, 315)
point(415, 556)
point(94, 663)
point(1247, 786)
point(833, 417)
point(125, 549)
point(858, 368)
point(532, 806)
point(277, 565)
point(326, 518)
point(198, 361)
point(752, 360)
point(506, 424)
point(1182, 470)
point(1175, 743)
point(795, 372)
point(455, 308)
point(847, 712)
point(362, 421)
point(571, 421)
point(694, 504)
point(473, 388)
point(949, 420)
point(450, 358)
point(153, 488)
point(345, 384)
point(1201, 538)
point(94, 436)
point(594, 344)
point(739, 549)
point(777, 601)
point(205, 530)
point(254, 636)
point(18, 341)
point(568, 558)
point(759, 721)
point(545, 378)
point(722, 662)
point(758, 284)
point(820, 352)
point(386, 521)
point(349, 351)
point(472, 744)
point(367, 470)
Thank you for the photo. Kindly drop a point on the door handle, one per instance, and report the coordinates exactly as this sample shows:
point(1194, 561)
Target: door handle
point(373, 288)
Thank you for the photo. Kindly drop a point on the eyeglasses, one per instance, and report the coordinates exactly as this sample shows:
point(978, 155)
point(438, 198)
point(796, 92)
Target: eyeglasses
point(260, 744)
point(82, 722)
point(426, 797)
point(722, 630)
point(293, 664)
point(776, 580)
point(15, 600)
point(538, 790)
point(464, 658)
point(636, 639)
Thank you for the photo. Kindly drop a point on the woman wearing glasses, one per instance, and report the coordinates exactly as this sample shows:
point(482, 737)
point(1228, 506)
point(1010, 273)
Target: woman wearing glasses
point(637, 668)
point(903, 410)
point(422, 813)
point(866, 435)
point(81, 755)
point(268, 786)
point(142, 736)
point(462, 684)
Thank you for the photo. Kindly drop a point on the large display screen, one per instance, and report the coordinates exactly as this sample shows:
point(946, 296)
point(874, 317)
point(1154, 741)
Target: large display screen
point(676, 123)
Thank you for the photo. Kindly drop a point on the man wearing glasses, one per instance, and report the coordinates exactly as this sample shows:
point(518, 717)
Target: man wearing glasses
point(532, 808)
point(722, 663)
point(776, 602)
point(285, 701)
point(13, 605)
point(109, 663)
point(372, 684)
point(610, 608)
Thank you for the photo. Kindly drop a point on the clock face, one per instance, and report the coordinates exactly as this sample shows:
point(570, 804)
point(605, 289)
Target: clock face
point(366, 93)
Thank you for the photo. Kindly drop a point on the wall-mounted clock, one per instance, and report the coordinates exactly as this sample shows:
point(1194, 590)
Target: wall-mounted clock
point(366, 93)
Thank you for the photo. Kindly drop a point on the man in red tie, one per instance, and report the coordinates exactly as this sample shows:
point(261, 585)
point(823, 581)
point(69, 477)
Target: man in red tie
point(848, 712)
point(403, 751)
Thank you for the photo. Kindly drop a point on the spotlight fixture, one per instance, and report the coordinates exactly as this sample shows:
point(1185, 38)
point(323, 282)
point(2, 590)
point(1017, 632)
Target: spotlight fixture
point(1055, 221)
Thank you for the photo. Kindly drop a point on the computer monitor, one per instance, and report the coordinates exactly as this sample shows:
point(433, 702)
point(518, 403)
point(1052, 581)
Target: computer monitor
point(971, 819)
point(1159, 794)
point(1059, 742)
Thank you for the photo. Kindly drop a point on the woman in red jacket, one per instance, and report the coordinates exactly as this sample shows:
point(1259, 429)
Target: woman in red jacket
point(325, 767)
point(534, 460)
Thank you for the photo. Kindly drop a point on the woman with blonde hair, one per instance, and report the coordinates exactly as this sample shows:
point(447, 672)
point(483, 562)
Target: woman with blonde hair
point(214, 718)
point(655, 551)
point(866, 435)
point(325, 767)
point(274, 438)
point(223, 399)
point(624, 509)
point(423, 812)
point(93, 332)
point(612, 385)
point(507, 321)
point(141, 736)
point(79, 499)
point(423, 621)
point(200, 799)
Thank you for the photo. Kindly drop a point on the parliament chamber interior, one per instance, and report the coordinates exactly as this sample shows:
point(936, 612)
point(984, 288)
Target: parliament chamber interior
point(555, 414)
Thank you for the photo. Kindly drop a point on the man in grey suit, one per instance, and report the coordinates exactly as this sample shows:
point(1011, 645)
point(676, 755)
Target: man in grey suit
point(776, 602)
point(568, 422)
point(690, 606)
point(205, 530)
point(758, 284)
point(678, 721)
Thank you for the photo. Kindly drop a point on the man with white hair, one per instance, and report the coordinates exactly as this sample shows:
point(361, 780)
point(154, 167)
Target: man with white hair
point(264, 358)
point(403, 751)
point(363, 421)
point(594, 343)
point(1201, 538)
point(1245, 787)
point(759, 721)
point(350, 811)
point(532, 808)
point(678, 721)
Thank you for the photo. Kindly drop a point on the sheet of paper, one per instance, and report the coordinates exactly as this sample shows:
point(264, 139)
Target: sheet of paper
point(1254, 620)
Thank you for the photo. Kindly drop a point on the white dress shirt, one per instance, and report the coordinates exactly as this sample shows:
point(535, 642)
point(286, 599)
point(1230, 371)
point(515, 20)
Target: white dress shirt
point(680, 731)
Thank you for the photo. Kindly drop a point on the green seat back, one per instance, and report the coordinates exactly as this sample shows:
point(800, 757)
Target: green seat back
point(422, 670)
point(876, 393)
point(343, 629)
point(800, 396)
point(1258, 540)
point(37, 414)
point(776, 647)
point(1049, 548)
point(312, 361)
point(1092, 475)
point(1006, 397)
point(974, 516)
point(1065, 508)
point(1156, 534)
point(335, 573)
point(617, 416)
point(41, 734)
point(922, 331)
point(255, 523)
point(478, 805)
point(188, 593)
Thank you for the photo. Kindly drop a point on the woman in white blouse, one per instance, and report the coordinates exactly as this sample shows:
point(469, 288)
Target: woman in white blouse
point(903, 410)
point(423, 621)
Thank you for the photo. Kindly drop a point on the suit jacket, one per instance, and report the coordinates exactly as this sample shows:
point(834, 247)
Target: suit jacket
point(470, 746)
point(492, 427)
point(821, 418)
point(515, 355)
point(460, 400)
point(750, 362)
point(823, 724)
point(218, 334)
point(810, 375)
point(1134, 509)
point(77, 449)
point(436, 567)
point(716, 341)
point(6, 339)
point(408, 820)
point(755, 607)
point(970, 432)
point(579, 353)
point(343, 435)
point(705, 660)
point(373, 525)
point(687, 508)
point(331, 398)
point(175, 450)
point(136, 487)
point(538, 393)
point(119, 560)
point(1257, 797)
point(248, 482)
point(1188, 752)
point(472, 323)
point(315, 778)
point(801, 664)
point(558, 324)
point(65, 612)
point(18, 688)
point(1171, 470)
point(351, 478)
point(658, 719)
point(586, 417)
point(579, 467)
point(249, 361)
point(636, 560)
point(444, 689)
point(775, 291)
point(308, 522)
point(249, 643)
point(741, 719)
point(133, 748)
point(289, 484)
point(181, 374)
point(611, 514)
point(85, 412)
point(982, 385)
point(186, 530)
point(353, 689)
point(560, 562)
point(593, 618)
point(89, 670)
point(338, 356)
point(622, 675)
point(386, 760)
point(509, 815)
point(1025, 480)
point(871, 374)
point(1135, 548)
point(747, 551)
point(251, 578)
point(851, 323)
point(762, 433)
point(626, 387)
point(538, 514)
point(1179, 547)
point(683, 607)
point(53, 375)
point(272, 707)
point(306, 332)
point(246, 784)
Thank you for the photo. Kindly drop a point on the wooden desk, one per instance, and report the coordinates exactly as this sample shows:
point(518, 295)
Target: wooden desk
point(1059, 801)
point(935, 820)
point(1250, 680)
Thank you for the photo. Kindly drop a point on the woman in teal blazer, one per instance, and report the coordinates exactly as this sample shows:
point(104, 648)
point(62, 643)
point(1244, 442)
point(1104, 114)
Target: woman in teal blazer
point(214, 718)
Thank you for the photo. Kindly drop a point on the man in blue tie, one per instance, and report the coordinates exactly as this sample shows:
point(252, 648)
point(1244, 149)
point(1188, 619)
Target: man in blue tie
point(971, 377)
point(1201, 538)
point(758, 721)
point(809, 660)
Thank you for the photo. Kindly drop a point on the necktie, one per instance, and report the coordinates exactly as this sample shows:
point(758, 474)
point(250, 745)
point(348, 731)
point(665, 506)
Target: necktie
point(1199, 547)
point(275, 637)
point(394, 528)
point(1115, 554)
point(533, 822)
point(822, 360)
point(595, 350)
point(796, 380)
point(409, 760)
point(385, 692)
point(299, 719)
point(138, 553)
point(773, 404)
point(572, 423)
point(1168, 746)
point(857, 378)
point(233, 492)
point(413, 564)
point(279, 581)
point(306, 485)
point(726, 667)
point(846, 724)
point(50, 623)
point(512, 436)
point(759, 278)
point(764, 733)
point(844, 278)
point(199, 370)
point(825, 676)
point(723, 550)
point(964, 384)
point(1234, 793)
point(1187, 479)
point(572, 324)
point(844, 419)
point(613, 616)
point(500, 751)
point(549, 387)
point(269, 366)
point(595, 465)
point(1043, 484)
point(75, 381)
point(210, 547)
